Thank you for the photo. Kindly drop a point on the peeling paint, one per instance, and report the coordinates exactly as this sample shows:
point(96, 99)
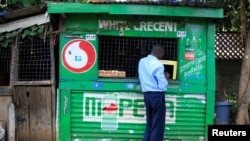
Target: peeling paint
point(131, 131)
point(77, 140)
point(195, 96)
point(65, 104)
point(200, 97)
point(106, 139)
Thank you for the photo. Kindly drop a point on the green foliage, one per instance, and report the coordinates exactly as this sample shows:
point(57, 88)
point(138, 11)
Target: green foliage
point(233, 98)
point(232, 22)
point(7, 38)
point(9, 5)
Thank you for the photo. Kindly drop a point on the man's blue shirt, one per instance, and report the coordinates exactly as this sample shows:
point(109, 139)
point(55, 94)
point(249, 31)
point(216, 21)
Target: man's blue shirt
point(151, 74)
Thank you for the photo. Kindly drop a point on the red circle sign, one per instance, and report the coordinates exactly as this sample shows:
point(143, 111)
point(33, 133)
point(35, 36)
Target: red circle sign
point(78, 55)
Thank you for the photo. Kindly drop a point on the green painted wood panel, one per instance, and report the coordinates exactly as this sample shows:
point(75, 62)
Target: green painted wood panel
point(130, 9)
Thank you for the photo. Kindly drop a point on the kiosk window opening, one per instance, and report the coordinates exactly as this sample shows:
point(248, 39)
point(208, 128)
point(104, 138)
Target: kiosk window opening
point(118, 57)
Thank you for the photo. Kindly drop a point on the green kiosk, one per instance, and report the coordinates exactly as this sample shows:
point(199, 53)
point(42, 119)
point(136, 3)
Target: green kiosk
point(100, 44)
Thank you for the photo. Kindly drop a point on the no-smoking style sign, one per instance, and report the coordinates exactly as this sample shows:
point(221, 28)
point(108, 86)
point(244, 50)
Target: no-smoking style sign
point(78, 55)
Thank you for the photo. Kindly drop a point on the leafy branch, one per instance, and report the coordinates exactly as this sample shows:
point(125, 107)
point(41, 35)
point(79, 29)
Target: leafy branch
point(7, 38)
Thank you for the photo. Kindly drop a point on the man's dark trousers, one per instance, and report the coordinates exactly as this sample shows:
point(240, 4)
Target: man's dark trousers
point(155, 115)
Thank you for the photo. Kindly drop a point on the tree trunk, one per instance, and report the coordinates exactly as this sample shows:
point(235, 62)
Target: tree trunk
point(244, 87)
point(244, 84)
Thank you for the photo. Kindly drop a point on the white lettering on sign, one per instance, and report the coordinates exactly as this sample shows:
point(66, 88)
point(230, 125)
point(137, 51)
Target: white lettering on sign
point(141, 26)
point(193, 68)
point(112, 25)
point(125, 107)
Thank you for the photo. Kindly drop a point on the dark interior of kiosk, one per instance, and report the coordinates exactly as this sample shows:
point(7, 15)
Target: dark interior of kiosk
point(34, 61)
point(119, 56)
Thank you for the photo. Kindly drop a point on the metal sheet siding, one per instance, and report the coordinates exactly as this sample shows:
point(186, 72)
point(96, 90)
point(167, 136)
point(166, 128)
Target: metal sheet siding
point(189, 122)
point(91, 131)
point(190, 118)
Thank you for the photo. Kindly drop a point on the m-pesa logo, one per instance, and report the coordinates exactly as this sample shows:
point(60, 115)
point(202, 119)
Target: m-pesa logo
point(120, 107)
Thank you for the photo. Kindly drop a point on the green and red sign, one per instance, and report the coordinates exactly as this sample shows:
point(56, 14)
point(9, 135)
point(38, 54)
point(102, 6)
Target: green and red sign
point(120, 107)
point(78, 55)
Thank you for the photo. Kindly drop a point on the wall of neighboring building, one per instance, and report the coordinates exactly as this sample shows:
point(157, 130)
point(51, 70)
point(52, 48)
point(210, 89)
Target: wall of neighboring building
point(5, 101)
point(227, 77)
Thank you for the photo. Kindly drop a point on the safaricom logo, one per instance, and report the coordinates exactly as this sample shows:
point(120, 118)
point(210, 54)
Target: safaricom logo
point(120, 108)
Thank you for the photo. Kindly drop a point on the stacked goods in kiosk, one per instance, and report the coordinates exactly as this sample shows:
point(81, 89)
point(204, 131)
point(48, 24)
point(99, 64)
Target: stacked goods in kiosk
point(111, 73)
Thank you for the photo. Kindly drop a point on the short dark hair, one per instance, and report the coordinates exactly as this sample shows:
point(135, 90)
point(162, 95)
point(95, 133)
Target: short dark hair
point(157, 48)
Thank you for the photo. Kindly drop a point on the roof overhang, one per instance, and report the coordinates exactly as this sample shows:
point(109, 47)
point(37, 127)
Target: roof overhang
point(135, 9)
point(24, 23)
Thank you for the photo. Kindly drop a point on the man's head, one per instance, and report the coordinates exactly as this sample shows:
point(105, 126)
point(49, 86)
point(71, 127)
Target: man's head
point(157, 51)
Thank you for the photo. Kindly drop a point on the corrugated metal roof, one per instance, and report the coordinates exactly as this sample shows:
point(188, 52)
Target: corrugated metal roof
point(188, 3)
point(24, 23)
point(23, 18)
point(32, 10)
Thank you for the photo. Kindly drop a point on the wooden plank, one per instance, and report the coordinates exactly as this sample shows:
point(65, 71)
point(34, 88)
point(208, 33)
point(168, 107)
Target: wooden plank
point(53, 102)
point(22, 114)
point(40, 114)
point(35, 83)
point(24, 12)
point(5, 101)
point(53, 86)
point(35, 108)
point(14, 63)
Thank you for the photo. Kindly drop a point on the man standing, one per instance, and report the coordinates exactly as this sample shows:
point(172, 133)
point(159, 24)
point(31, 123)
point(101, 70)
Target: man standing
point(153, 84)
